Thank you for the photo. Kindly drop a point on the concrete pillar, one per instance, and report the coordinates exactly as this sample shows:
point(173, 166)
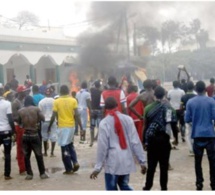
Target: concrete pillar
point(57, 71)
point(1, 74)
point(32, 73)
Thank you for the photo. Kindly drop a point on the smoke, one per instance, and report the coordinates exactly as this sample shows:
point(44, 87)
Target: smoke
point(107, 23)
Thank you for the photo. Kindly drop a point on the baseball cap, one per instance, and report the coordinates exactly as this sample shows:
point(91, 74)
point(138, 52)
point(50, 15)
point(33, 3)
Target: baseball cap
point(21, 88)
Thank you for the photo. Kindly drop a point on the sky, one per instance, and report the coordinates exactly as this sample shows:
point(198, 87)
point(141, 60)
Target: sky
point(55, 12)
point(64, 12)
point(58, 12)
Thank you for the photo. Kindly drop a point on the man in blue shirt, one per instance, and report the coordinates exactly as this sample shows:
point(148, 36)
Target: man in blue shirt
point(201, 112)
point(36, 95)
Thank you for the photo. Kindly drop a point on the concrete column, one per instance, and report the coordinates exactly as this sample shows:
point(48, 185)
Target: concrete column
point(57, 71)
point(1, 74)
point(32, 73)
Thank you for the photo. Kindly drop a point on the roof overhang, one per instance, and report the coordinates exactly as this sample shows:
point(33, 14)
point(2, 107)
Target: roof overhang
point(34, 57)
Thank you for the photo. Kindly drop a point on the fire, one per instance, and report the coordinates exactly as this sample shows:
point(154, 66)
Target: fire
point(74, 81)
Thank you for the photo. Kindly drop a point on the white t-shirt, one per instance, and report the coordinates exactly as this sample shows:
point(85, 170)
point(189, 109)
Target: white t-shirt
point(46, 107)
point(82, 96)
point(5, 108)
point(175, 97)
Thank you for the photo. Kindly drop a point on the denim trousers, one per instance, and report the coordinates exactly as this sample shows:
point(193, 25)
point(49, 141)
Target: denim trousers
point(69, 156)
point(33, 143)
point(198, 147)
point(95, 118)
point(112, 182)
point(5, 139)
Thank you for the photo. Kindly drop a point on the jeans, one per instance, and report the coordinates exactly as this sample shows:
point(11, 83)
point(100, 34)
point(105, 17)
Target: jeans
point(19, 149)
point(96, 117)
point(111, 182)
point(158, 150)
point(5, 139)
point(69, 156)
point(198, 147)
point(33, 143)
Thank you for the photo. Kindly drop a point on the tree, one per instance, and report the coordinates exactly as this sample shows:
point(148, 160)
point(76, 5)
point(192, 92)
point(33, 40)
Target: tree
point(202, 37)
point(151, 35)
point(194, 33)
point(170, 34)
point(25, 18)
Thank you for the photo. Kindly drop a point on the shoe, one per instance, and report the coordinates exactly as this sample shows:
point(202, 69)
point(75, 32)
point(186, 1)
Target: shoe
point(68, 172)
point(52, 155)
point(191, 153)
point(175, 143)
point(7, 177)
point(29, 177)
point(174, 148)
point(183, 140)
point(76, 167)
point(44, 176)
point(170, 168)
point(23, 173)
point(45, 155)
point(199, 187)
point(145, 189)
point(83, 142)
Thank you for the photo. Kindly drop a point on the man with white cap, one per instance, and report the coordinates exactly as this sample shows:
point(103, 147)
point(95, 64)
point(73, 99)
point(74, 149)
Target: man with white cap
point(7, 129)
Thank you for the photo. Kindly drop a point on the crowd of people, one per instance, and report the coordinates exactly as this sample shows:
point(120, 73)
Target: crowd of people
point(145, 125)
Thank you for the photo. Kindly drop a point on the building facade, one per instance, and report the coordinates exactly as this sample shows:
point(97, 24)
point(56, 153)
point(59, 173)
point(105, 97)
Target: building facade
point(44, 56)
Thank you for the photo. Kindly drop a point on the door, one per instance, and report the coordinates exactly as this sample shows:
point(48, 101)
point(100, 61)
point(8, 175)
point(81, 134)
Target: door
point(10, 73)
point(50, 74)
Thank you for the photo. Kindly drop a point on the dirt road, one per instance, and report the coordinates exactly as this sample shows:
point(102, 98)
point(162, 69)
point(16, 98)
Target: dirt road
point(181, 178)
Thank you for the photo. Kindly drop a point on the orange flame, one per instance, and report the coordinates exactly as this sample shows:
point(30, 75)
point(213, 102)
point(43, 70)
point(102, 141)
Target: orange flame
point(74, 81)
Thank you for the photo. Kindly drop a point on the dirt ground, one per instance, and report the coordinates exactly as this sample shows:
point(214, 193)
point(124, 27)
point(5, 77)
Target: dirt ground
point(182, 177)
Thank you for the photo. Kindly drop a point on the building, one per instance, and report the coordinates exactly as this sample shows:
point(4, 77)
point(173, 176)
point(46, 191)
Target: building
point(42, 54)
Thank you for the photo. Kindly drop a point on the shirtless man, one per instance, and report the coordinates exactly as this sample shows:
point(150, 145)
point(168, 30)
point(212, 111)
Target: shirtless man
point(29, 116)
point(147, 97)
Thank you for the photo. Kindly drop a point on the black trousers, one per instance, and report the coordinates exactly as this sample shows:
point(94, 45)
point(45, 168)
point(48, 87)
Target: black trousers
point(158, 151)
point(5, 139)
point(33, 143)
point(180, 117)
point(199, 145)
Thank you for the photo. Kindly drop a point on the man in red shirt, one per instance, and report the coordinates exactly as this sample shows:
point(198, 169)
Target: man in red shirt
point(113, 91)
point(132, 94)
point(210, 88)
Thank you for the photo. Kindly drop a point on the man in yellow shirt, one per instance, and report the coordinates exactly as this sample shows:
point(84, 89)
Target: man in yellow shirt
point(65, 110)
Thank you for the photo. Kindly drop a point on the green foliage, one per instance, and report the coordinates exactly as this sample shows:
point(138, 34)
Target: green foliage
point(199, 63)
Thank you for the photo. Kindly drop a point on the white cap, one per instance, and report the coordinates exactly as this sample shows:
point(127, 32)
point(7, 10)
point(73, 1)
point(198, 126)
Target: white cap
point(1, 86)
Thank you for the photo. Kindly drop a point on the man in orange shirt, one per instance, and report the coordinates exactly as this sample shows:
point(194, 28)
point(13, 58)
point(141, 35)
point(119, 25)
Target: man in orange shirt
point(132, 94)
point(210, 88)
point(113, 91)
